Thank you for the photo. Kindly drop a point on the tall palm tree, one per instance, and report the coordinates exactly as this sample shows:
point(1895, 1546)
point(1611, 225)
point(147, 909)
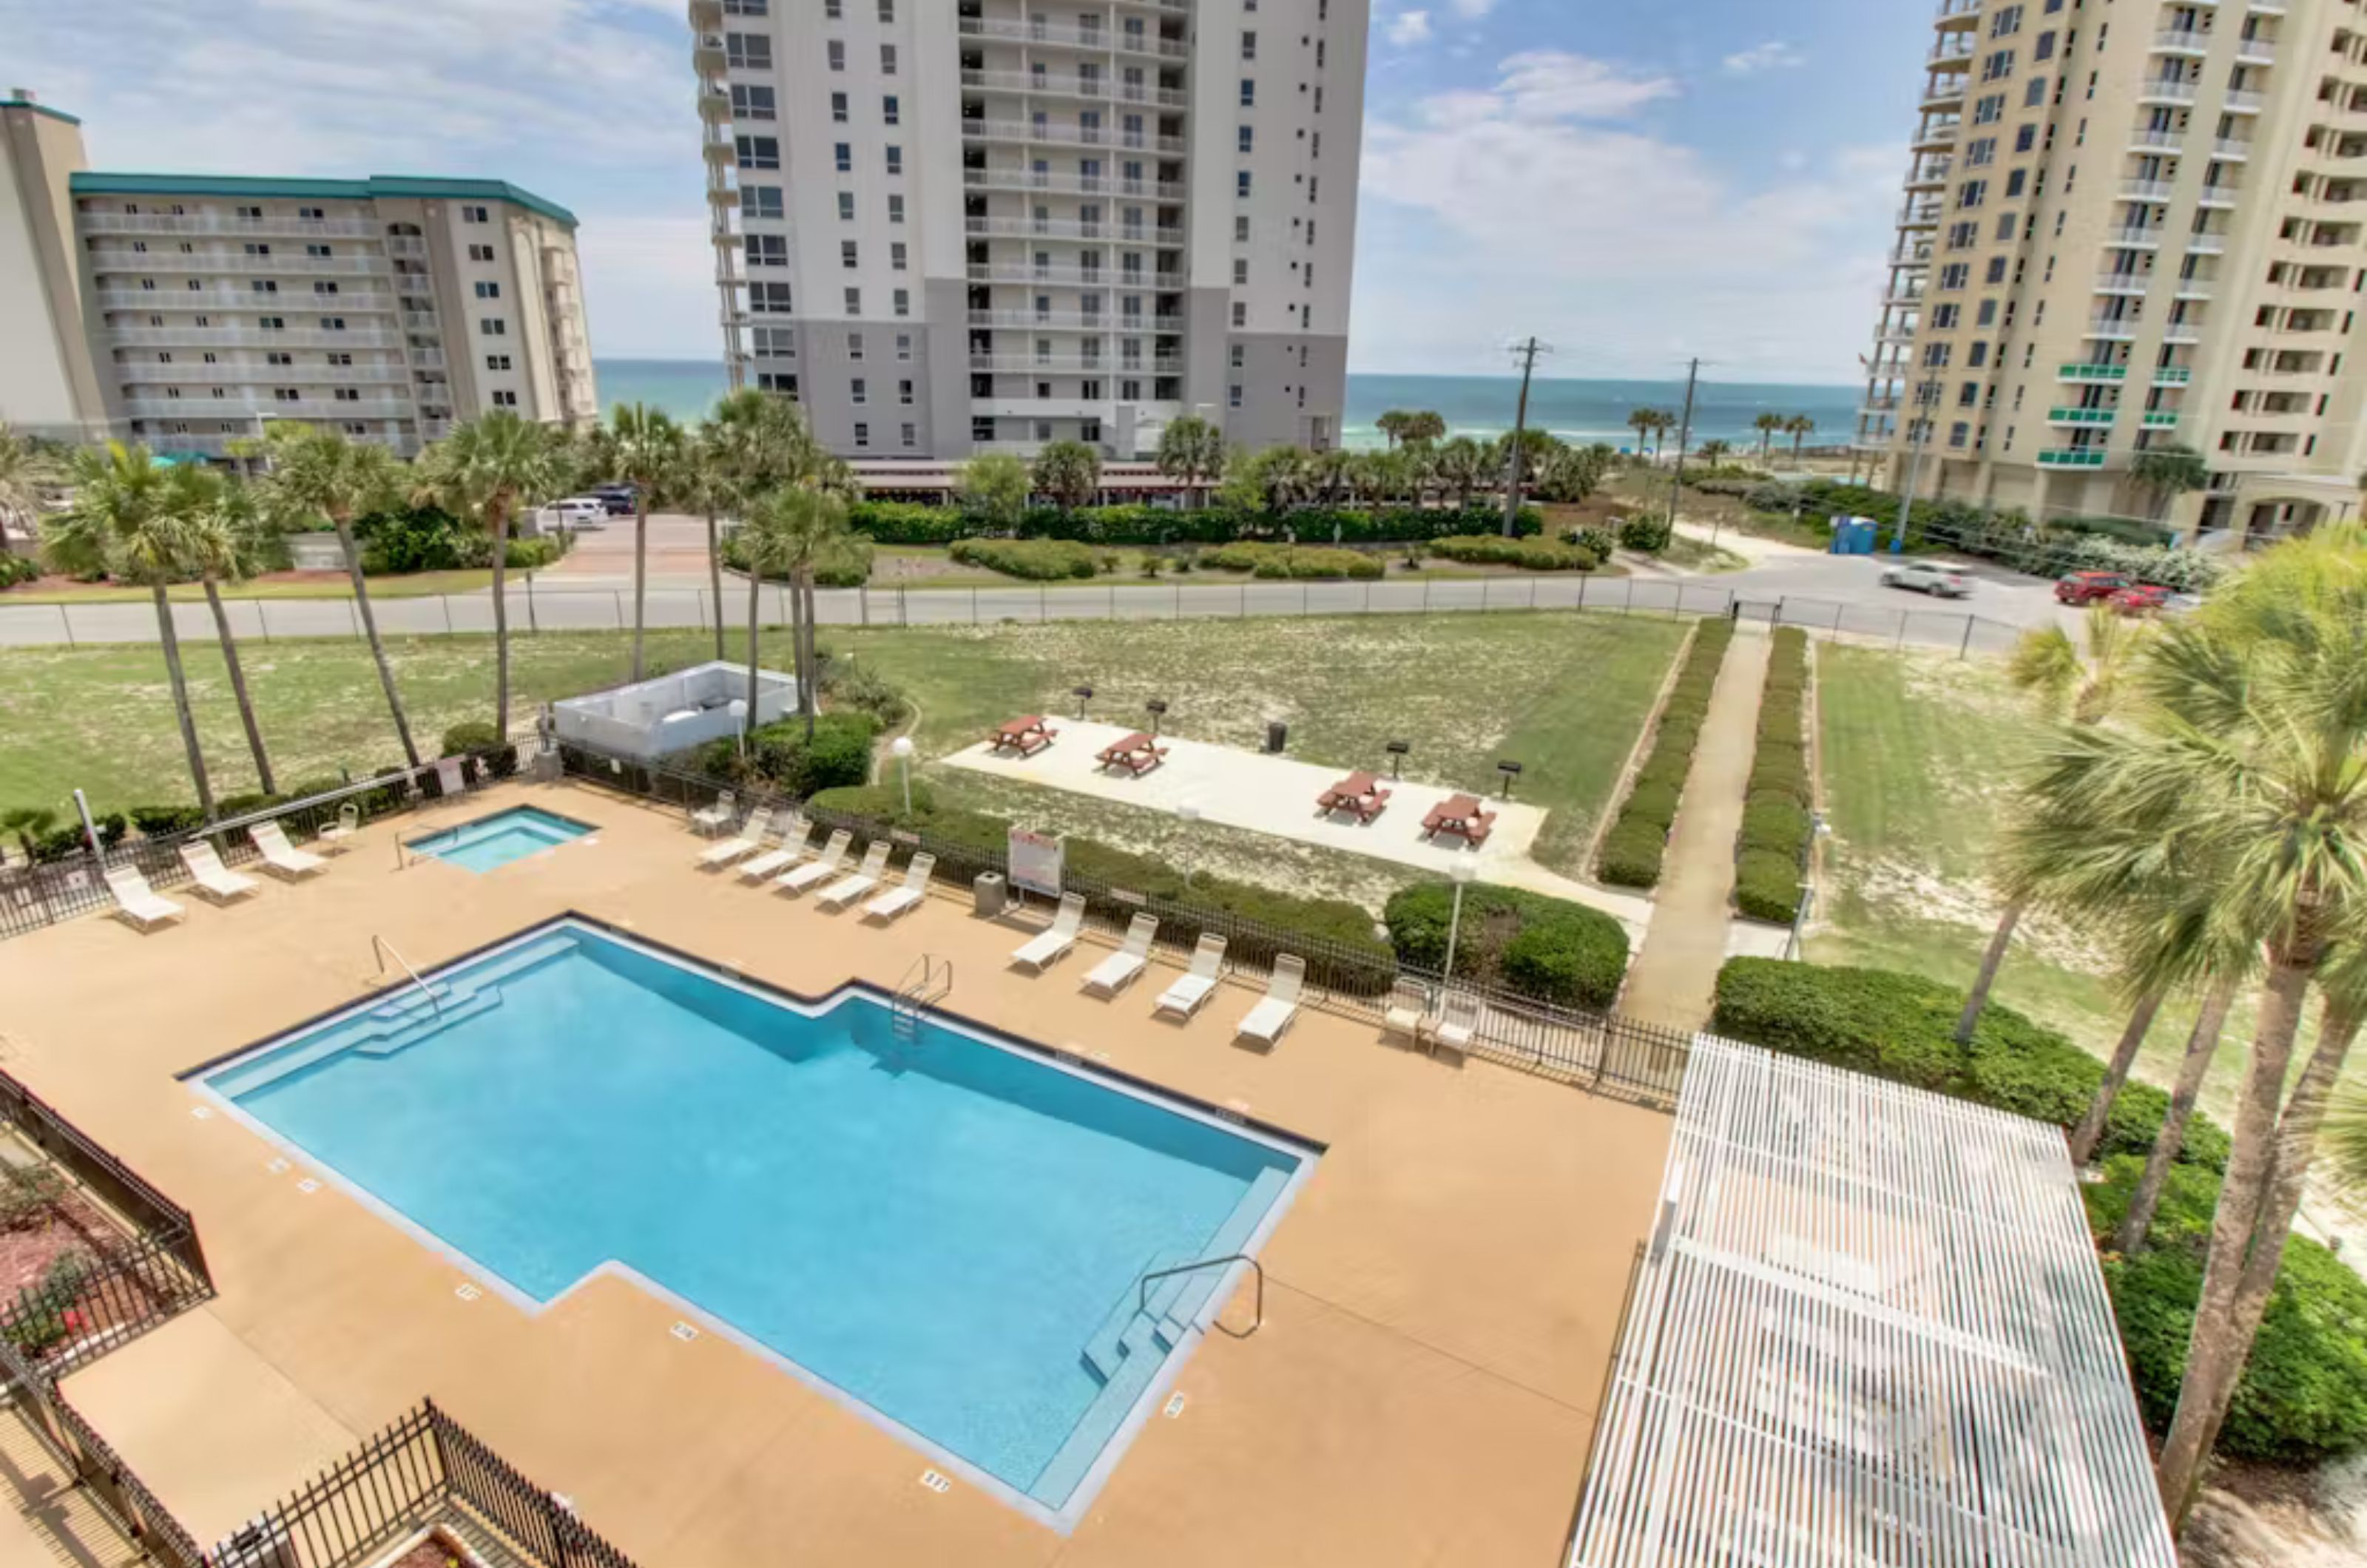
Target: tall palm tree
point(318, 473)
point(2061, 680)
point(767, 446)
point(1715, 452)
point(1462, 466)
point(2245, 757)
point(1643, 422)
point(134, 518)
point(487, 468)
point(703, 483)
point(1767, 425)
point(1797, 427)
point(642, 446)
point(796, 525)
point(227, 541)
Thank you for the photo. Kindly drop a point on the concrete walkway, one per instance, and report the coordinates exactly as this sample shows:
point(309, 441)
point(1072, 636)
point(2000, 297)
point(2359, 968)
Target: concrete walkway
point(1674, 980)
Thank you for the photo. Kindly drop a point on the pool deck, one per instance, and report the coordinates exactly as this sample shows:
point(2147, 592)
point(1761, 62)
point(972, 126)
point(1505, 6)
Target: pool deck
point(1441, 1305)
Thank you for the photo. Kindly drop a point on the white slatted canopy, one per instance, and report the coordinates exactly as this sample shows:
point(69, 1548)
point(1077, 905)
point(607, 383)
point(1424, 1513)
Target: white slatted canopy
point(1870, 1330)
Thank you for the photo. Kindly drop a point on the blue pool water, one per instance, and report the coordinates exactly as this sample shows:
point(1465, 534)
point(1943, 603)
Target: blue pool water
point(500, 839)
point(948, 1231)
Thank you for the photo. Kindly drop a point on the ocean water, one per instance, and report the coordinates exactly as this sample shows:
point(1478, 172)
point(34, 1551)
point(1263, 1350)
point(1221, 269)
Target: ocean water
point(943, 1229)
point(1472, 405)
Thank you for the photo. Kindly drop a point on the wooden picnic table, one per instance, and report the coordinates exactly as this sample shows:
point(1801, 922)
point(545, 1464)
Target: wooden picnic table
point(1027, 736)
point(1459, 815)
point(1137, 753)
point(1359, 792)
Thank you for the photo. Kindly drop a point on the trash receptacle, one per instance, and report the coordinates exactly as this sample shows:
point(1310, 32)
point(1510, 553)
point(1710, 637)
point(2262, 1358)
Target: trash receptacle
point(1277, 735)
point(989, 893)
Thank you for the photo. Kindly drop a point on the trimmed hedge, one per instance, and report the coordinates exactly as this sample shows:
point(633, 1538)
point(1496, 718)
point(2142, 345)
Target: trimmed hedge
point(1902, 1027)
point(779, 756)
point(847, 565)
point(2303, 1396)
point(912, 523)
point(1548, 948)
point(1367, 969)
point(1772, 845)
point(1529, 554)
point(1297, 563)
point(1638, 838)
point(1037, 561)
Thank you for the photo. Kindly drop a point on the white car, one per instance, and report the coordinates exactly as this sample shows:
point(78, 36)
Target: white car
point(575, 512)
point(1928, 577)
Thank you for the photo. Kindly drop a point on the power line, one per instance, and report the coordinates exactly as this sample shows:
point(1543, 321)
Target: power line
point(1527, 351)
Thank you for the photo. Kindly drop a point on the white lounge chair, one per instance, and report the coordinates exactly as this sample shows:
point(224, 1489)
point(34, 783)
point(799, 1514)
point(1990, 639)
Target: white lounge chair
point(338, 837)
point(1117, 972)
point(1456, 1023)
point(136, 902)
point(1408, 1010)
point(746, 842)
point(847, 889)
point(718, 814)
point(215, 880)
point(281, 858)
point(902, 900)
point(819, 870)
point(1191, 990)
point(1275, 1010)
point(782, 855)
point(1040, 951)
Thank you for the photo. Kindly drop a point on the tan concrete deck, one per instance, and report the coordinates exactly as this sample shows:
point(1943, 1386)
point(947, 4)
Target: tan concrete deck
point(1443, 1301)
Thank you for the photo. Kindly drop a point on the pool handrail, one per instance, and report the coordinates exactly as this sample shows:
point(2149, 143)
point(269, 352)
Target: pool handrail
point(383, 947)
point(1143, 1295)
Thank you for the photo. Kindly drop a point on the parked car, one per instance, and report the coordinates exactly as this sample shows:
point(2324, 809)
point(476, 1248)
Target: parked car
point(2140, 599)
point(1928, 577)
point(575, 512)
point(616, 499)
point(2087, 586)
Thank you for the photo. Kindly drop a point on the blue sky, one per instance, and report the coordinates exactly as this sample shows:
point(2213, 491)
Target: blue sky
point(1633, 183)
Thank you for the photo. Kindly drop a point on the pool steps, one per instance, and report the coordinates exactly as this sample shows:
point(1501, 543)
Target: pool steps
point(1127, 1351)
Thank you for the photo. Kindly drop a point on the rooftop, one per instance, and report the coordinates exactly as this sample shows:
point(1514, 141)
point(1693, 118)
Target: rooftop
point(375, 187)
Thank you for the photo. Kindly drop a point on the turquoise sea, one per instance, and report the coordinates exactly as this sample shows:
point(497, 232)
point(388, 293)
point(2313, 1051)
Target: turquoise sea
point(1472, 405)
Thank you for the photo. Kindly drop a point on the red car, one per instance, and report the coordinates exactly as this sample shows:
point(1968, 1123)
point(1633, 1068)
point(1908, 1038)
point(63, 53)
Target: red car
point(2139, 599)
point(2087, 586)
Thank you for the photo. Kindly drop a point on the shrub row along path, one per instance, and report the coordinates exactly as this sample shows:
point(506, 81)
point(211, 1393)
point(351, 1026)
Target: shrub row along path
point(1674, 978)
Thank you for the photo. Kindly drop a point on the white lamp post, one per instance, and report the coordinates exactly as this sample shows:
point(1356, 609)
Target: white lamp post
point(903, 750)
point(740, 723)
point(1189, 815)
point(1460, 873)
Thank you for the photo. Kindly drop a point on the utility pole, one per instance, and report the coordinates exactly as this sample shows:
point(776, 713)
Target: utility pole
point(1528, 350)
point(1907, 498)
point(1684, 439)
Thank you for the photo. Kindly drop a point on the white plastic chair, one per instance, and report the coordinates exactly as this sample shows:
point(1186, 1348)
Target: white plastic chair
point(781, 856)
point(1275, 1010)
point(281, 858)
point(846, 890)
point(215, 880)
point(1117, 972)
point(1199, 983)
point(718, 815)
point(1457, 1024)
point(899, 901)
point(137, 903)
point(749, 838)
point(1039, 952)
point(819, 870)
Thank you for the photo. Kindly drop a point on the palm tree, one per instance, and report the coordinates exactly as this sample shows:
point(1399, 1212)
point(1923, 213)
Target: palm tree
point(643, 448)
point(1797, 427)
point(1070, 472)
point(1192, 450)
point(318, 473)
point(1421, 427)
point(487, 468)
point(1462, 466)
point(1714, 452)
point(2166, 472)
point(2245, 759)
point(227, 542)
point(703, 483)
point(2060, 680)
point(766, 446)
point(1767, 425)
point(134, 518)
point(24, 469)
point(800, 526)
point(1392, 426)
point(1643, 422)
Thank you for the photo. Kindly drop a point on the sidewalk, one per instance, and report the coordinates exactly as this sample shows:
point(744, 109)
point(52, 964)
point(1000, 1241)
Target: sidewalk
point(1674, 978)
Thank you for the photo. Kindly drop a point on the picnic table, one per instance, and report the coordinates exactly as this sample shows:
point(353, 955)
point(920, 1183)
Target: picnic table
point(1359, 792)
point(1459, 815)
point(1137, 753)
point(1026, 736)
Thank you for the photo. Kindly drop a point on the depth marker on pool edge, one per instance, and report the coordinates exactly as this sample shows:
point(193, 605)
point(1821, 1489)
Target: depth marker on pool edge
point(468, 1292)
point(1175, 1403)
point(308, 1185)
point(683, 1332)
point(935, 1483)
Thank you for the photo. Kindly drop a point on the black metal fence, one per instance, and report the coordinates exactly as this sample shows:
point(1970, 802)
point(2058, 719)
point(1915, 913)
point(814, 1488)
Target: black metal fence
point(38, 896)
point(1599, 1050)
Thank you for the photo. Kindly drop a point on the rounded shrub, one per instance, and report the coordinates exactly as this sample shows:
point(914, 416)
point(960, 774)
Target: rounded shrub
point(1548, 948)
point(1767, 886)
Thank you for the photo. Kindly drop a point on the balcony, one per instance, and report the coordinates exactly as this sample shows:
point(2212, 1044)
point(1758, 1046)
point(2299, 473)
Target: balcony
point(251, 407)
point(2136, 237)
point(1068, 135)
point(2256, 52)
point(1922, 215)
point(1050, 320)
point(2244, 103)
point(219, 223)
point(2182, 332)
point(2221, 198)
point(2165, 90)
point(706, 54)
point(2072, 457)
point(240, 299)
point(1094, 39)
point(2177, 41)
point(2159, 419)
point(137, 373)
point(2206, 244)
point(2193, 288)
point(245, 338)
point(1955, 49)
point(1942, 134)
point(2146, 190)
point(1098, 89)
point(2118, 329)
point(1071, 185)
point(1958, 14)
point(2122, 282)
point(2150, 140)
point(239, 262)
point(1028, 364)
point(1039, 229)
point(2085, 372)
point(2172, 376)
point(2232, 149)
point(2081, 416)
point(714, 106)
point(1945, 94)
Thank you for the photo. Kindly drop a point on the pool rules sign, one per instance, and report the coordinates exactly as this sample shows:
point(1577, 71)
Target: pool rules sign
point(1035, 863)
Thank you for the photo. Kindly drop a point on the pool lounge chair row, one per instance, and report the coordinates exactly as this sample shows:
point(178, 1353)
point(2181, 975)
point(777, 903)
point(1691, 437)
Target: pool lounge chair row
point(1265, 1022)
point(770, 849)
point(142, 907)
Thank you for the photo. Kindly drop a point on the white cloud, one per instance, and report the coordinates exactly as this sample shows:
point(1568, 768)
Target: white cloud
point(1773, 55)
point(1472, 10)
point(1409, 27)
point(1523, 211)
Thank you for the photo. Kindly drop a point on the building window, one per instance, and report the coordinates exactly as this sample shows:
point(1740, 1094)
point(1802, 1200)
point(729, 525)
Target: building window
point(1240, 271)
point(887, 12)
point(838, 109)
point(1241, 184)
point(476, 215)
point(895, 210)
point(904, 393)
point(830, 10)
point(896, 256)
point(494, 326)
point(904, 346)
point(903, 302)
point(750, 102)
point(1249, 46)
point(890, 110)
point(1240, 313)
point(758, 151)
point(858, 390)
point(766, 250)
point(836, 51)
point(748, 51)
point(1996, 269)
point(2034, 94)
point(911, 435)
point(487, 291)
point(324, 287)
point(847, 254)
point(861, 433)
point(787, 386)
point(759, 201)
point(854, 345)
point(887, 59)
point(480, 253)
point(843, 154)
point(497, 362)
point(774, 342)
point(1248, 138)
point(1249, 94)
point(328, 324)
point(1233, 395)
point(846, 206)
point(746, 7)
point(894, 159)
point(769, 298)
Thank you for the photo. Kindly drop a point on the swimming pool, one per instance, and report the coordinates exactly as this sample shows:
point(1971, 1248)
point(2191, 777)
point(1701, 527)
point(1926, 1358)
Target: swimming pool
point(498, 839)
point(944, 1231)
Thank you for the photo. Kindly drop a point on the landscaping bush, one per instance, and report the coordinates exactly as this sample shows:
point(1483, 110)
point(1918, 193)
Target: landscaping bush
point(1902, 1027)
point(164, 822)
point(1037, 561)
point(1771, 847)
point(1596, 542)
point(1548, 948)
point(846, 565)
point(1529, 554)
point(1632, 850)
point(1767, 886)
point(2303, 1396)
point(1301, 562)
point(15, 570)
point(850, 683)
point(500, 760)
point(779, 756)
point(1647, 534)
point(532, 555)
point(418, 538)
point(908, 523)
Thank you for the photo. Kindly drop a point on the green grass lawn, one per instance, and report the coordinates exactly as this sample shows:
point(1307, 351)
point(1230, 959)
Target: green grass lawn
point(311, 585)
point(1565, 694)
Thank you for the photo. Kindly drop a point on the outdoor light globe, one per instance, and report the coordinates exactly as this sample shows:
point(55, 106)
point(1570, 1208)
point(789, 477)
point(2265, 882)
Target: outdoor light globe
point(1464, 871)
point(903, 746)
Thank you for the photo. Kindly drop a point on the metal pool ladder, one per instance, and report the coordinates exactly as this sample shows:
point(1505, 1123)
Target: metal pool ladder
point(925, 985)
point(385, 949)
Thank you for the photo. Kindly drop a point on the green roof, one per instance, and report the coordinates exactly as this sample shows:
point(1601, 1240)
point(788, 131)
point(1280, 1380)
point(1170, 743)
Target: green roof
point(13, 102)
point(375, 187)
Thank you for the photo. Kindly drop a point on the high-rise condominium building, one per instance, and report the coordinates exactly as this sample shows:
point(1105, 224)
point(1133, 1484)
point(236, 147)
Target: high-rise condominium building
point(2129, 226)
point(186, 312)
point(950, 226)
